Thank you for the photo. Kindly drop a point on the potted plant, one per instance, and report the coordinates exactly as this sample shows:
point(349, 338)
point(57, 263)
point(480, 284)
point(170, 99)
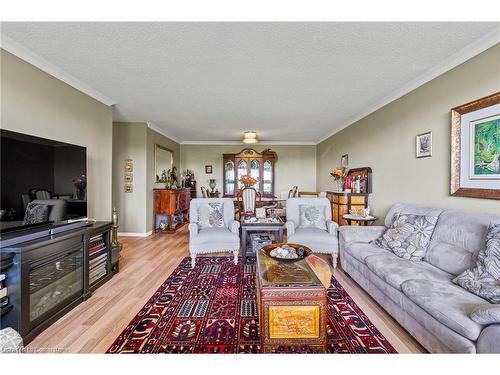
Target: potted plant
point(248, 181)
point(339, 174)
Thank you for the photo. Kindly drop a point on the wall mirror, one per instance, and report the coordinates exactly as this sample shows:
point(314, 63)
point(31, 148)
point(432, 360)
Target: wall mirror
point(164, 161)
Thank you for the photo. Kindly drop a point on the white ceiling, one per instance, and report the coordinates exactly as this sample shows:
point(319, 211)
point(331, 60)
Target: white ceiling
point(291, 82)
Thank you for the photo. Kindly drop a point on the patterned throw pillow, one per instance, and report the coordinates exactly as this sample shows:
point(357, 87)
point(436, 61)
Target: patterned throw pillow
point(484, 279)
point(409, 236)
point(211, 215)
point(312, 216)
point(36, 213)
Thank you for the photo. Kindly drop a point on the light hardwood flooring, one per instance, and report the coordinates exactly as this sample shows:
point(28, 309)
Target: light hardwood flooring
point(145, 263)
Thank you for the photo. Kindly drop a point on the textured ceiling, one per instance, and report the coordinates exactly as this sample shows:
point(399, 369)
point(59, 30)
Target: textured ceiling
point(211, 81)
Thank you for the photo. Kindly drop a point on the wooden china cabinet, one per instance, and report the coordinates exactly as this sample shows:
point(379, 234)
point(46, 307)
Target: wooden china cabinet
point(257, 165)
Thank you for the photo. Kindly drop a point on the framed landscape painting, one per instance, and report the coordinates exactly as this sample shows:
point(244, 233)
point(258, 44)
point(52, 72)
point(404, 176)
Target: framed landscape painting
point(475, 149)
point(485, 148)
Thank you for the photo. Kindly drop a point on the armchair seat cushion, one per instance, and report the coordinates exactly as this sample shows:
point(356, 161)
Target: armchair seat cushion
point(318, 240)
point(447, 303)
point(395, 270)
point(223, 237)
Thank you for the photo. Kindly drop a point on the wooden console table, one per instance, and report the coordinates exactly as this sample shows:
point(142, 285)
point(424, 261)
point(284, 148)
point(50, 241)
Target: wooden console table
point(175, 204)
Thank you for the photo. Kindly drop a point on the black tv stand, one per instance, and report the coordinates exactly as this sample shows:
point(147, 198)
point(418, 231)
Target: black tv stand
point(47, 277)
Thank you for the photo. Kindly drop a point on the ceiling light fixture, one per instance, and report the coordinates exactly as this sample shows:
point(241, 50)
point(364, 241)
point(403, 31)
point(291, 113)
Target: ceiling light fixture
point(250, 137)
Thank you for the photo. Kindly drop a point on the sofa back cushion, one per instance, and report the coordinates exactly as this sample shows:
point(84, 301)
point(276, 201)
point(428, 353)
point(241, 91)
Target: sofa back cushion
point(457, 239)
point(227, 210)
point(413, 209)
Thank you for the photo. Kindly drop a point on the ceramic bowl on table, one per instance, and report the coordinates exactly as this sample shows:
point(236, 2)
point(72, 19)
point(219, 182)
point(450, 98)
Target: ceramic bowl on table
point(287, 252)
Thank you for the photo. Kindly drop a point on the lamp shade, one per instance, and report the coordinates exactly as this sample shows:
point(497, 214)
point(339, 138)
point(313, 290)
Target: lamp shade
point(250, 137)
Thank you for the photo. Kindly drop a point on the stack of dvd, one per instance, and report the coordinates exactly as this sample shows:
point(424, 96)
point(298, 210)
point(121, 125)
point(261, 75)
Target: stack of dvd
point(98, 259)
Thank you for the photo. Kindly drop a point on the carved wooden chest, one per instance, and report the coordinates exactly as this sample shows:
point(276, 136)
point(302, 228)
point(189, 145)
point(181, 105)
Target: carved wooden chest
point(292, 306)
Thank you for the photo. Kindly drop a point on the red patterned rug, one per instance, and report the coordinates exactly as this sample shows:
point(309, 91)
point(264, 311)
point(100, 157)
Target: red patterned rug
point(212, 309)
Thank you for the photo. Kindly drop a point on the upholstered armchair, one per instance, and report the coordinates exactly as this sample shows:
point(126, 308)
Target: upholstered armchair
point(321, 235)
point(215, 235)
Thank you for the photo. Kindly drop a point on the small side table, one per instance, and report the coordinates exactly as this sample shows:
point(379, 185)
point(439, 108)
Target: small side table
point(258, 226)
point(359, 220)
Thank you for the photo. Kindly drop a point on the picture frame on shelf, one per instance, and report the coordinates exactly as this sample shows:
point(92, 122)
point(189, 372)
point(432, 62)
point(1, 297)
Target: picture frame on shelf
point(423, 145)
point(475, 149)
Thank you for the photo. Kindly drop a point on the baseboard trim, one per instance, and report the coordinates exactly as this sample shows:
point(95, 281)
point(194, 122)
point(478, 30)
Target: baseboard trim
point(133, 234)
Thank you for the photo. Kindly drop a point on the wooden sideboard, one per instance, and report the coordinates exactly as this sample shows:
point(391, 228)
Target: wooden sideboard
point(172, 203)
point(342, 202)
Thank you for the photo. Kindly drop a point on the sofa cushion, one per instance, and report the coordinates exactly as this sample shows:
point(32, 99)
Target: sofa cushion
point(457, 240)
point(317, 240)
point(447, 303)
point(484, 278)
point(215, 235)
point(395, 271)
point(408, 236)
point(361, 251)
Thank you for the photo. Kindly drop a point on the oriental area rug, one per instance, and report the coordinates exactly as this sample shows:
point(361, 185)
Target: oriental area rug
point(213, 309)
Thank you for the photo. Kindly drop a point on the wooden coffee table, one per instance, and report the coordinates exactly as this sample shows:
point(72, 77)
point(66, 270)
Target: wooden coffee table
point(292, 305)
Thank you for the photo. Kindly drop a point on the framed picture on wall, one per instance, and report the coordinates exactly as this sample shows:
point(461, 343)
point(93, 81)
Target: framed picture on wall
point(475, 149)
point(423, 145)
point(208, 169)
point(344, 161)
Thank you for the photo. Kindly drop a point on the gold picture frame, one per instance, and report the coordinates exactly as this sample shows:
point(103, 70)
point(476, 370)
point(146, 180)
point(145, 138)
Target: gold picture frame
point(457, 161)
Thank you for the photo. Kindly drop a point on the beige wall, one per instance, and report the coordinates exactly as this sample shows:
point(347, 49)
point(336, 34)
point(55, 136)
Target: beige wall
point(129, 142)
point(34, 102)
point(296, 164)
point(153, 138)
point(385, 140)
point(136, 141)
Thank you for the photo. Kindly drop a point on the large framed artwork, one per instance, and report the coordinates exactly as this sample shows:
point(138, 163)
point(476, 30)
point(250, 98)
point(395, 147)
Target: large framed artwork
point(475, 148)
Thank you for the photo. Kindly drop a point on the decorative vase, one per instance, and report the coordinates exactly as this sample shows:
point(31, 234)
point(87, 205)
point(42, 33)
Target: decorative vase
point(80, 194)
point(211, 183)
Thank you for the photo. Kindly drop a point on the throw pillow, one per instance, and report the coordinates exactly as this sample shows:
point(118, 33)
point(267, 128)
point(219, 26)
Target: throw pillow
point(409, 236)
point(312, 216)
point(36, 213)
point(484, 278)
point(486, 314)
point(211, 215)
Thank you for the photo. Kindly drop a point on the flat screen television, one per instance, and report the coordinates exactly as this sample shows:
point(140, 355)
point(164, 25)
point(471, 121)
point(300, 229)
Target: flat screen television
point(43, 182)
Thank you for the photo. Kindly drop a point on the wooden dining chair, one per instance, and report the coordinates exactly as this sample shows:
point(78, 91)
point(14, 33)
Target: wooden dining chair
point(204, 193)
point(308, 194)
point(247, 198)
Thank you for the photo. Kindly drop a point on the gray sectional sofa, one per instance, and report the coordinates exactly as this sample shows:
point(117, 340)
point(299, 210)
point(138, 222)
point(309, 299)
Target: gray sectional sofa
point(421, 295)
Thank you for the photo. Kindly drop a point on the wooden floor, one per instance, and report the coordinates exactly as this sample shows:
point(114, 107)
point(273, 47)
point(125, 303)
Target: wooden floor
point(145, 263)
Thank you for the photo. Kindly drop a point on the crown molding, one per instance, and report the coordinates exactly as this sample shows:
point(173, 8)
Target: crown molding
point(290, 143)
point(157, 129)
point(31, 57)
point(473, 49)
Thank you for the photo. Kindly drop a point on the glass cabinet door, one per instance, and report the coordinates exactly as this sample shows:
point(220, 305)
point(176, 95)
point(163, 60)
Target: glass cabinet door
point(242, 170)
point(229, 177)
point(267, 180)
point(255, 172)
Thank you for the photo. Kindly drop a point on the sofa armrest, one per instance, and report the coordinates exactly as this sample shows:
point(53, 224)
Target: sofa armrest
point(488, 341)
point(290, 228)
point(234, 226)
point(193, 230)
point(486, 314)
point(360, 234)
point(332, 227)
